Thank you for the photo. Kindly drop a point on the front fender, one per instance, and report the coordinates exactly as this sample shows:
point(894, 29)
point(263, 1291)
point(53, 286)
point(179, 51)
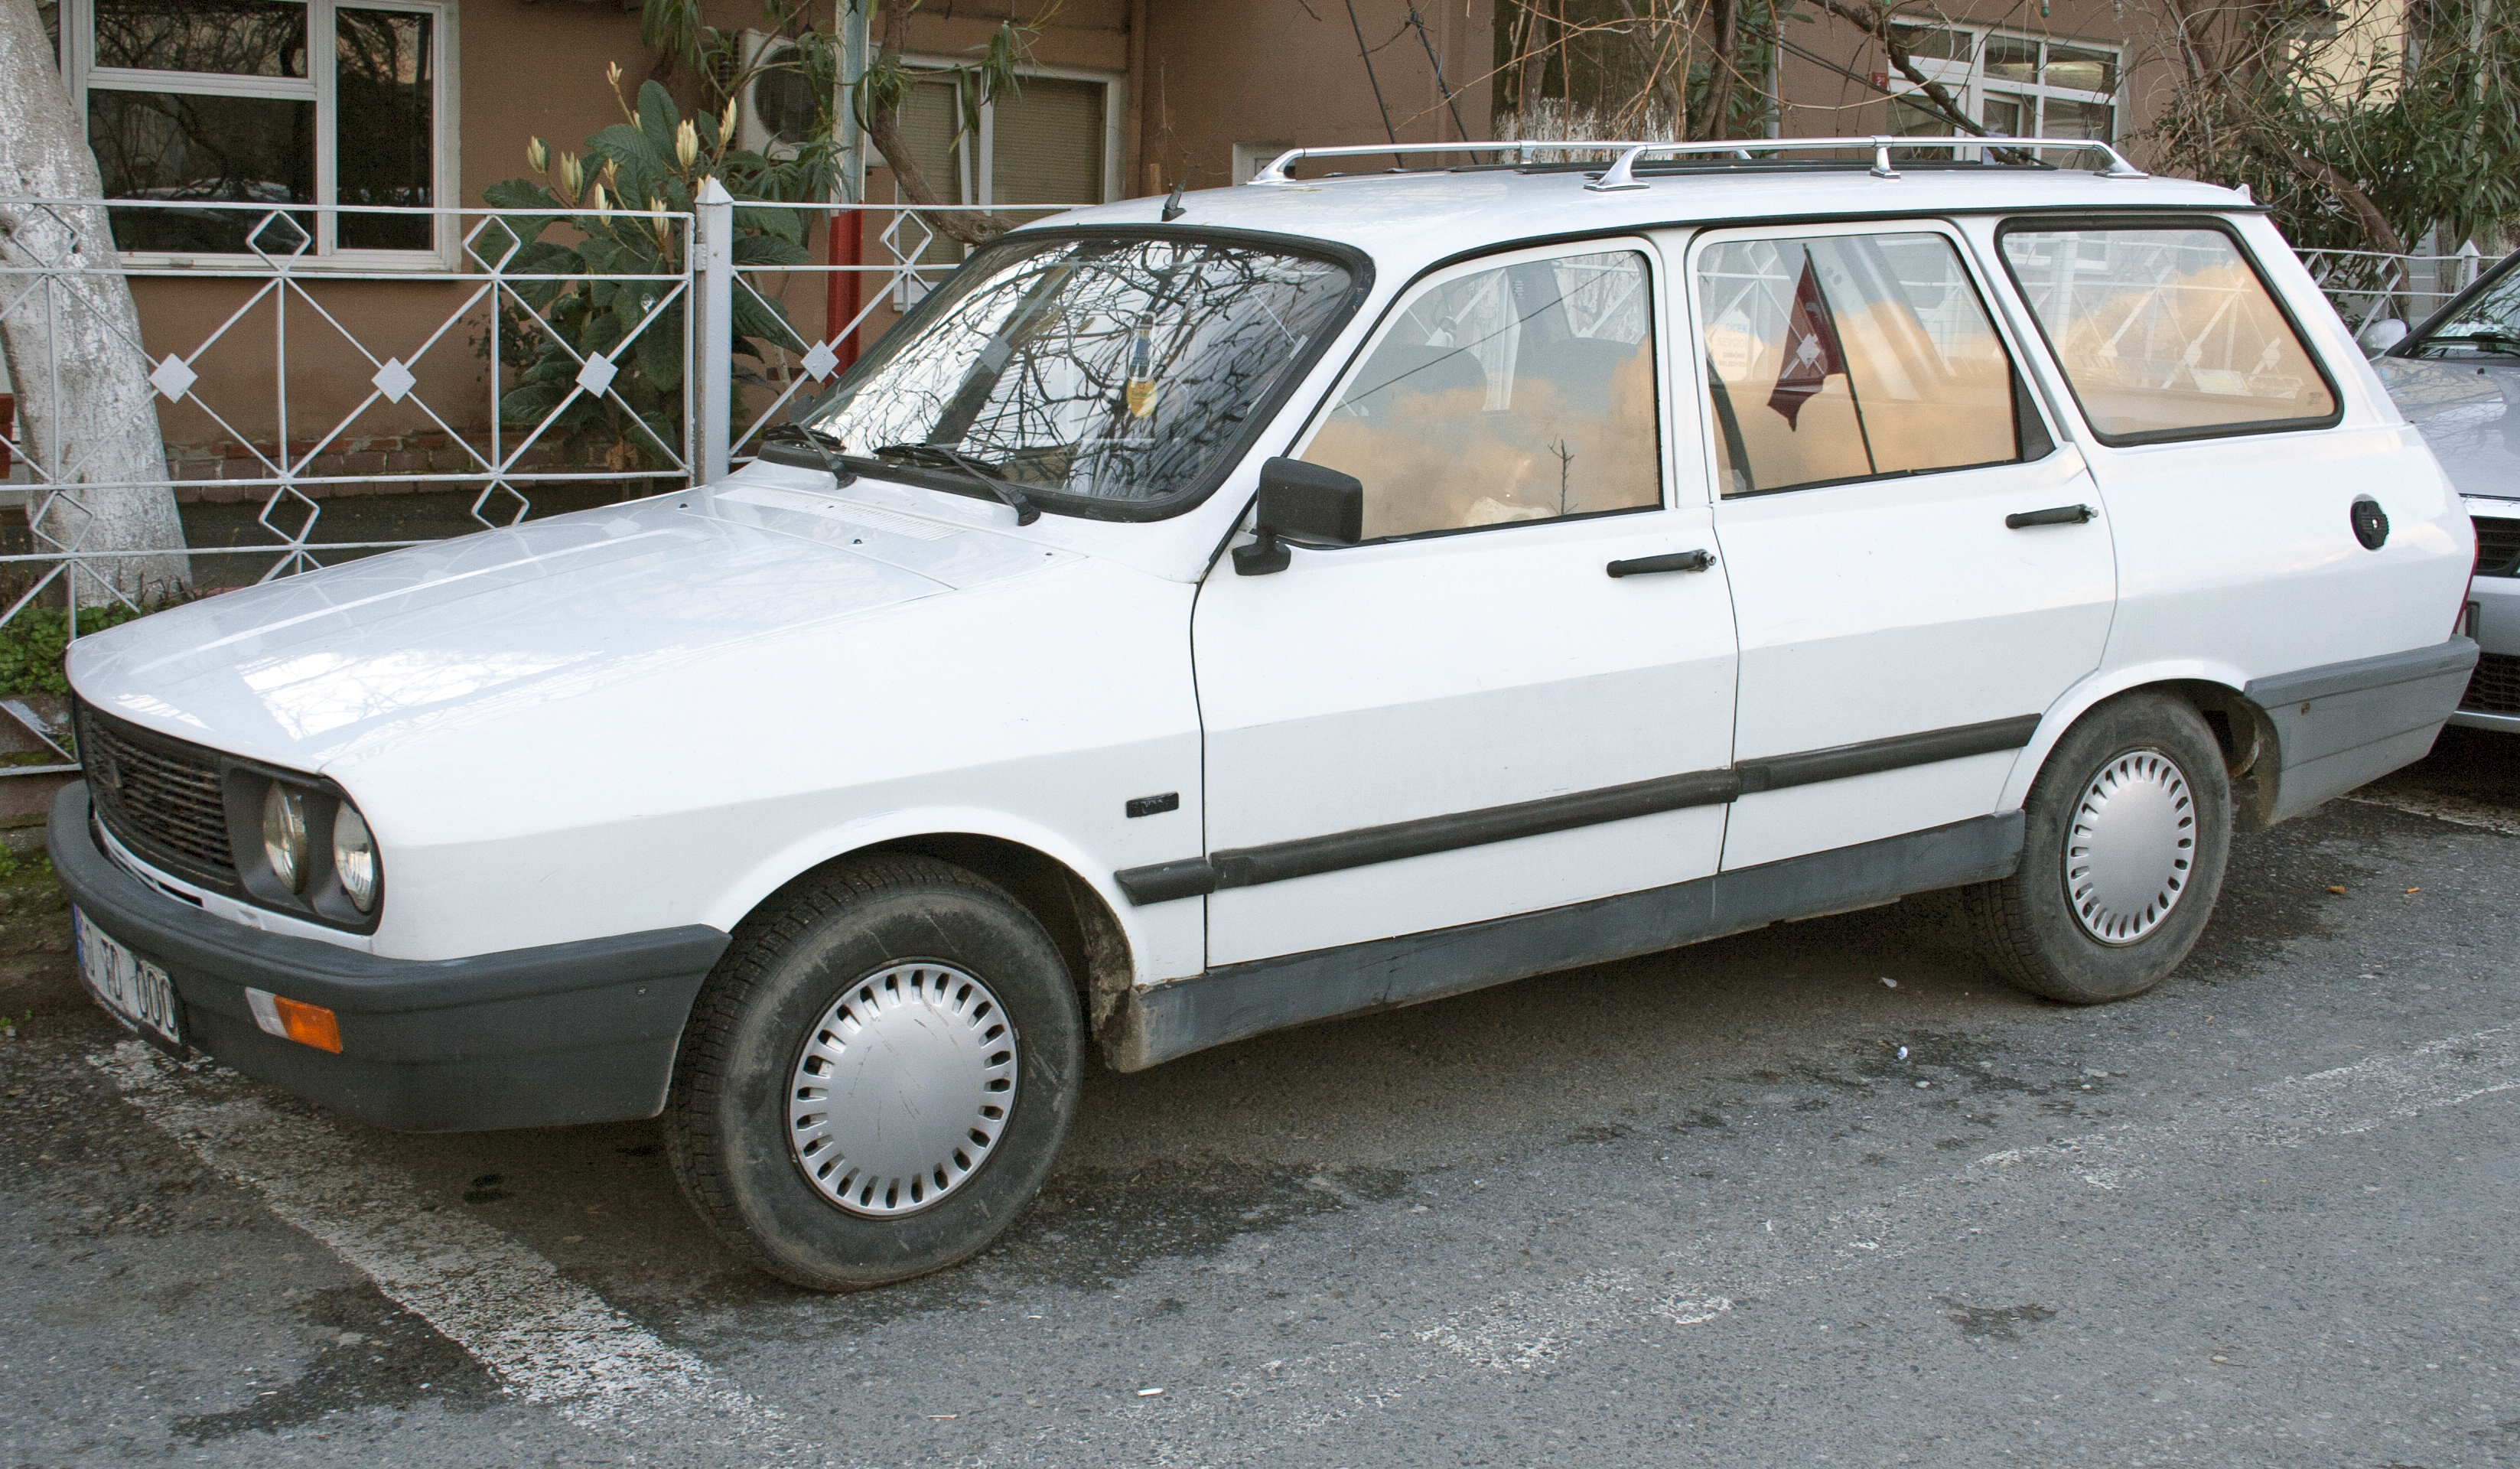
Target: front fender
point(1166, 940)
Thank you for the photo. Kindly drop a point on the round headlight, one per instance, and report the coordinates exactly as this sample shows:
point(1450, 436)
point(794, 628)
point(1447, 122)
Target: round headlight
point(354, 859)
point(283, 835)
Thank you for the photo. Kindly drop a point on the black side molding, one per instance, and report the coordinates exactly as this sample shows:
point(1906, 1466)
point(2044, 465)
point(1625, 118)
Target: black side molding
point(1238, 1001)
point(1249, 866)
point(1277, 861)
point(1869, 757)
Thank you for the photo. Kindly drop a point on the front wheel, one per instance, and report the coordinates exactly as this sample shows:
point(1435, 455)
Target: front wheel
point(878, 1075)
point(2125, 838)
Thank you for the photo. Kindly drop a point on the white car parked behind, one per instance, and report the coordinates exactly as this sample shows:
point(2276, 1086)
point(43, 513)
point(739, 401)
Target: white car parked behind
point(1201, 619)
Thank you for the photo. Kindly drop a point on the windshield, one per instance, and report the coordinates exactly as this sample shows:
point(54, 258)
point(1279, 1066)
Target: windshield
point(2485, 325)
point(1116, 371)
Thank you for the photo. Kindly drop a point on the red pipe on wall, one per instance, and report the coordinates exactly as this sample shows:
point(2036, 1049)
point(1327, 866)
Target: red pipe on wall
point(846, 247)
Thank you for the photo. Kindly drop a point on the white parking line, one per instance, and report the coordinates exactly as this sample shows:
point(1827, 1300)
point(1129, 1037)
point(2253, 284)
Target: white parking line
point(547, 1340)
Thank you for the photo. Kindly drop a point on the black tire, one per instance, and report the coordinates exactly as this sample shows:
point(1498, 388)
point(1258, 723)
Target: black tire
point(726, 1117)
point(2027, 926)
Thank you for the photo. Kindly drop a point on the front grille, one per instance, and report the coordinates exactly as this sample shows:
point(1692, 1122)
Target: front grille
point(2494, 687)
point(160, 796)
point(2498, 547)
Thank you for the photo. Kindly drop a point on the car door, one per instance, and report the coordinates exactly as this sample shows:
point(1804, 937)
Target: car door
point(1469, 714)
point(1918, 569)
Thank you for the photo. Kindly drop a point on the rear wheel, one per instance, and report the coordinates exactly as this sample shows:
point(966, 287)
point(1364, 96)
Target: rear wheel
point(2125, 838)
point(877, 1076)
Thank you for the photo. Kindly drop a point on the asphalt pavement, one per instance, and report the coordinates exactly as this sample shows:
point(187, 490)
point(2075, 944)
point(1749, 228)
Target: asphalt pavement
point(1822, 1194)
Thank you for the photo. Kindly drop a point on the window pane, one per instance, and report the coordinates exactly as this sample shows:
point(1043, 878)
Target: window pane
point(236, 37)
point(157, 145)
point(1843, 358)
point(931, 121)
point(2079, 120)
point(2487, 325)
point(387, 138)
point(1937, 45)
point(2002, 114)
point(2010, 60)
point(2165, 332)
point(1047, 145)
point(1910, 120)
point(1521, 393)
point(2082, 71)
point(1115, 369)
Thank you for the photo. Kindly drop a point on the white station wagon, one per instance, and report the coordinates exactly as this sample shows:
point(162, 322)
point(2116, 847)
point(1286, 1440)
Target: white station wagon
point(1206, 617)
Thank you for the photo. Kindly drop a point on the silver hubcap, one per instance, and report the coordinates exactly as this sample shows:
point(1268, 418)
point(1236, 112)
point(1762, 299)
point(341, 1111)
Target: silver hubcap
point(2130, 847)
point(902, 1090)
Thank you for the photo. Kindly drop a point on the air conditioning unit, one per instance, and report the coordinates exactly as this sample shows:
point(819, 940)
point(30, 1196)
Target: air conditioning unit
point(778, 112)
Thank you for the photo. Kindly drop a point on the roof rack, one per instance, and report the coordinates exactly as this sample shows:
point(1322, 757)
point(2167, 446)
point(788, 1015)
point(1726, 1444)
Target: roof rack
point(1621, 173)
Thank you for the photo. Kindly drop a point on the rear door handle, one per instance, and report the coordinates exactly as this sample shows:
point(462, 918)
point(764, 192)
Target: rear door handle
point(1677, 561)
point(2062, 515)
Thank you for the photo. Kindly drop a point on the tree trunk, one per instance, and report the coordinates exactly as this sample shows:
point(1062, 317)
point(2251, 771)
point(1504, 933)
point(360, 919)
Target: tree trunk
point(87, 414)
point(883, 126)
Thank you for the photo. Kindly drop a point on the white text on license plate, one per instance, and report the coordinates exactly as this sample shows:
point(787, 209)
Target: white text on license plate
point(129, 985)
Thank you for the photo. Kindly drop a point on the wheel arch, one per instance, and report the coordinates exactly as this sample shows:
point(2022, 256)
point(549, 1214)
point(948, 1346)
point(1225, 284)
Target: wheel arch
point(2249, 744)
point(1080, 919)
point(1084, 926)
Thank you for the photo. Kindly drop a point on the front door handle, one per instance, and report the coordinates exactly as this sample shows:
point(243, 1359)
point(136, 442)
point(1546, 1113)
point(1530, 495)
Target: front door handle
point(2062, 515)
point(1677, 561)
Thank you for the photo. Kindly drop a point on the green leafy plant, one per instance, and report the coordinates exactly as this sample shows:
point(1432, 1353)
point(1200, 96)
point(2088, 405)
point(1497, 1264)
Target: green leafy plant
point(2357, 136)
point(33, 642)
point(589, 299)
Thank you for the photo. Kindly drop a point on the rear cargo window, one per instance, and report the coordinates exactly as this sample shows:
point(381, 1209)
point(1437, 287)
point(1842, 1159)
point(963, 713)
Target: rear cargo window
point(2167, 333)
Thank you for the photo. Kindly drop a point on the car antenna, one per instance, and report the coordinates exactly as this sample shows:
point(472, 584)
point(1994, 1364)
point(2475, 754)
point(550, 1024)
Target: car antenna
point(1172, 205)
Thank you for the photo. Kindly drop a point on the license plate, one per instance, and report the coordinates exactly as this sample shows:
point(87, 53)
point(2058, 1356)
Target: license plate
point(137, 992)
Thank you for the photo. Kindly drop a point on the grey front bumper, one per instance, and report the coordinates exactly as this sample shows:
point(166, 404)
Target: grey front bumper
point(2344, 725)
point(571, 1033)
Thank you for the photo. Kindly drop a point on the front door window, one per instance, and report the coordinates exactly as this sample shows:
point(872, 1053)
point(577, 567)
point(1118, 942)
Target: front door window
point(1524, 393)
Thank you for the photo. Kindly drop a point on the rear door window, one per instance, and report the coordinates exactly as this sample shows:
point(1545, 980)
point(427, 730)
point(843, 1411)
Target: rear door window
point(1838, 359)
point(2167, 333)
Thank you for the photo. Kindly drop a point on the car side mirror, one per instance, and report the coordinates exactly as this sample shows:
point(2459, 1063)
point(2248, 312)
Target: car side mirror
point(1304, 503)
point(2380, 335)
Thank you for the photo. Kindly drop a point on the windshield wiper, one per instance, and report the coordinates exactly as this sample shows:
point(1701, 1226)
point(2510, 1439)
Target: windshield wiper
point(937, 456)
point(821, 444)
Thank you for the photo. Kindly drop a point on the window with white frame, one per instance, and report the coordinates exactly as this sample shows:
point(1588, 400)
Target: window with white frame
point(273, 102)
point(2019, 86)
point(1055, 142)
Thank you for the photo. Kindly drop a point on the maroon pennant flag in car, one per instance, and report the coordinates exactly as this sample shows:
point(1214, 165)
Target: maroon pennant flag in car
point(1811, 352)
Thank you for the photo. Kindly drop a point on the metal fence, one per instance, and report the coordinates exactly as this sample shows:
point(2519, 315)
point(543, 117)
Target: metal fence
point(282, 357)
point(2368, 285)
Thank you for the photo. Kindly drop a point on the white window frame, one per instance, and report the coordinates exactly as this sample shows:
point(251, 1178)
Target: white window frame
point(978, 151)
point(1968, 80)
point(979, 155)
point(80, 73)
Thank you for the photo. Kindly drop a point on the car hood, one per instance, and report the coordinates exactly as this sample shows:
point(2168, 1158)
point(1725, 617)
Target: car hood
point(2467, 412)
point(304, 672)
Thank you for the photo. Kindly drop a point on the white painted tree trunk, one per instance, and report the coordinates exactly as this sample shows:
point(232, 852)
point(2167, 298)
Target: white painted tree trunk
point(87, 414)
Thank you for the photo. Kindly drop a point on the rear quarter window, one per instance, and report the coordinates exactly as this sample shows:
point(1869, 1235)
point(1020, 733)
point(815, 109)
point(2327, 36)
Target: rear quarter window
point(2167, 332)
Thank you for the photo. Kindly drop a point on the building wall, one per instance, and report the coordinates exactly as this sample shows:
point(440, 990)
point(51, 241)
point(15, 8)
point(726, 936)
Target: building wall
point(1228, 71)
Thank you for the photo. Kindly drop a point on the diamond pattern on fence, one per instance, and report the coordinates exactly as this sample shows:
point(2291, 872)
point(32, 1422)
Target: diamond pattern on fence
point(288, 459)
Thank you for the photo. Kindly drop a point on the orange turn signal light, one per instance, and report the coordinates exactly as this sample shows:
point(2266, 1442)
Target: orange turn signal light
point(294, 1020)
